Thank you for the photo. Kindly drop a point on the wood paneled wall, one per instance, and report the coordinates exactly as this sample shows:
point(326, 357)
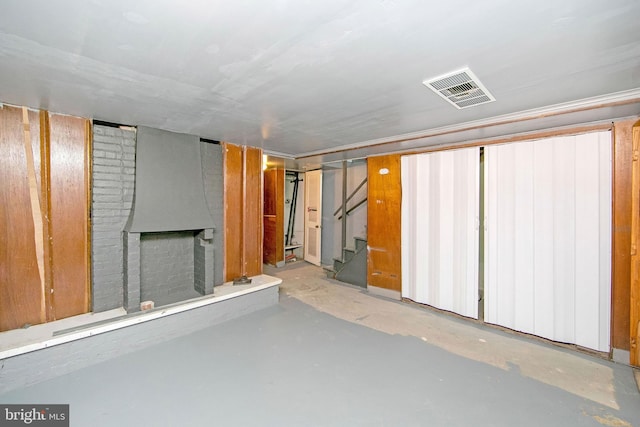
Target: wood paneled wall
point(22, 295)
point(233, 206)
point(242, 211)
point(253, 212)
point(384, 263)
point(69, 182)
point(44, 217)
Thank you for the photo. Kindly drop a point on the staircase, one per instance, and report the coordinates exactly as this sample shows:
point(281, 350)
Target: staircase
point(352, 268)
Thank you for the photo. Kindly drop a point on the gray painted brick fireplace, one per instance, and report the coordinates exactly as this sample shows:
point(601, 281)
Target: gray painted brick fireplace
point(164, 267)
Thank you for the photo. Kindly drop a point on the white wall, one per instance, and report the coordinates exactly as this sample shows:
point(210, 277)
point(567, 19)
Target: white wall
point(298, 227)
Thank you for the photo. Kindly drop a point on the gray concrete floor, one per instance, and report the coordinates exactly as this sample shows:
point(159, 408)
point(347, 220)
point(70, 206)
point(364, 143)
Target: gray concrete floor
point(333, 355)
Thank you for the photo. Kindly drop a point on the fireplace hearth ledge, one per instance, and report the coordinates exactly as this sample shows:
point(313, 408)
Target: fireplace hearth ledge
point(223, 292)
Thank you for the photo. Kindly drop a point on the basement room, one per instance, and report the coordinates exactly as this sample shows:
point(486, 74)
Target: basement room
point(339, 213)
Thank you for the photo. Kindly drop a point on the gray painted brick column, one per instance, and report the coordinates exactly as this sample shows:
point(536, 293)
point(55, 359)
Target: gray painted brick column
point(131, 243)
point(113, 172)
point(212, 169)
point(203, 261)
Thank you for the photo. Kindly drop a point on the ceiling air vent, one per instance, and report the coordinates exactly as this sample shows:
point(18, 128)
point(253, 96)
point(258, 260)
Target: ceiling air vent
point(461, 88)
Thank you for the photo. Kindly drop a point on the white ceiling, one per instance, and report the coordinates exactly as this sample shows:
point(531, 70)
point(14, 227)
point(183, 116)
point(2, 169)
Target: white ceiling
point(308, 76)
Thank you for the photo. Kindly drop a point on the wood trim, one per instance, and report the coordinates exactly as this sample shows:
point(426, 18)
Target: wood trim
point(243, 225)
point(223, 146)
point(88, 144)
point(280, 202)
point(514, 138)
point(243, 255)
point(621, 233)
point(45, 183)
point(634, 297)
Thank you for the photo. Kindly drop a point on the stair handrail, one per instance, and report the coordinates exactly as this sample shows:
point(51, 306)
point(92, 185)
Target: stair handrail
point(354, 207)
point(353, 193)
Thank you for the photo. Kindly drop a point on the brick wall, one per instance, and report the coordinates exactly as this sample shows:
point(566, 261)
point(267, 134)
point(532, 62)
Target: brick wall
point(112, 195)
point(166, 267)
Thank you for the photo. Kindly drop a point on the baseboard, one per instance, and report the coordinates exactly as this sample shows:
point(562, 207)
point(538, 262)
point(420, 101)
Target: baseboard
point(387, 293)
point(620, 356)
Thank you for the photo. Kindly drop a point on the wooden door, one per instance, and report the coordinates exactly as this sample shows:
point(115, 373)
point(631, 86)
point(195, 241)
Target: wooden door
point(273, 217)
point(312, 216)
point(44, 200)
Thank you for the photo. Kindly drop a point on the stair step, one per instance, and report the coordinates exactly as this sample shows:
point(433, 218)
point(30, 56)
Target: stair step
point(355, 270)
point(338, 264)
point(361, 243)
point(330, 272)
point(347, 254)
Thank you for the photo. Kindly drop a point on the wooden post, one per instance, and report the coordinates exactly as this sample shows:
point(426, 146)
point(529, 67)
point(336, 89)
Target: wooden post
point(344, 209)
point(634, 312)
point(45, 200)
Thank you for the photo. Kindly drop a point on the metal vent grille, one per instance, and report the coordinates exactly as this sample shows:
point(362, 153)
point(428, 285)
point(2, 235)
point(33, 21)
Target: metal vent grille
point(461, 89)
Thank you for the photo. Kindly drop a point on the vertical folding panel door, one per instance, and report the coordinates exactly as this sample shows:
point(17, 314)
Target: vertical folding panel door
point(440, 247)
point(548, 238)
